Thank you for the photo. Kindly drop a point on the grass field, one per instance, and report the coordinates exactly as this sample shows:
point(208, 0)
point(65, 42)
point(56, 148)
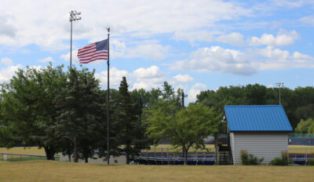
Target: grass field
point(23, 150)
point(301, 149)
point(61, 171)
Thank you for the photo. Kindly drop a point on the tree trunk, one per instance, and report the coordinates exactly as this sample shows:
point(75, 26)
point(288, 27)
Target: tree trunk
point(50, 152)
point(86, 159)
point(75, 154)
point(127, 153)
point(185, 155)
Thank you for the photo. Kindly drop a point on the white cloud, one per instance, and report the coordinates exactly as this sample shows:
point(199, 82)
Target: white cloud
point(47, 60)
point(6, 61)
point(273, 58)
point(48, 27)
point(183, 78)
point(274, 53)
point(281, 39)
point(66, 57)
point(115, 77)
point(7, 28)
point(144, 49)
point(307, 20)
point(244, 63)
point(192, 36)
point(195, 90)
point(217, 59)
point(147, 78)
point(233, 38)
point(147, 73)
point(8, 72)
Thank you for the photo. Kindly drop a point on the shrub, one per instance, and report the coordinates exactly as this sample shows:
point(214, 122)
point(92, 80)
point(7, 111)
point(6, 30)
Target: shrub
point(250, 159)
point(280, 161)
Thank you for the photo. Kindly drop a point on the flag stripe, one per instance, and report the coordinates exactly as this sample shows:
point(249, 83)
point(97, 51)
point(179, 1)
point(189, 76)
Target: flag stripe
point(93, 53)
point(93, 58)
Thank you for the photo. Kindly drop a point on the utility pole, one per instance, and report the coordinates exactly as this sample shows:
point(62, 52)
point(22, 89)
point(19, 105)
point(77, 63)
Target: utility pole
point(279, 85)
point(182, 97)
point(74, 16)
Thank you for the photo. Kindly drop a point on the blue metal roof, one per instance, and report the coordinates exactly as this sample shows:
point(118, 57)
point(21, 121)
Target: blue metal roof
point(260, 118)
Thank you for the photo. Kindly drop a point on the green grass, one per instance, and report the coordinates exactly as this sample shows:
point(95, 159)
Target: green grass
point(23, 150)
point(301, 149)
point(23, 158)
point(61, 171)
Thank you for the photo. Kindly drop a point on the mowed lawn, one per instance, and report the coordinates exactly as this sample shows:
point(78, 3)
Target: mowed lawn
point(62, 171)
point(23, 150)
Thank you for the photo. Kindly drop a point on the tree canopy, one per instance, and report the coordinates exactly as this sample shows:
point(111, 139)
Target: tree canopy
point(184, 127)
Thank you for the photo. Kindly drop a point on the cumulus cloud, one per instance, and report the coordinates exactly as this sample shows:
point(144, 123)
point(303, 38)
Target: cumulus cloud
point(281, 39)
point(8, 72)
point(274, 58)
point(182, 78)
point(217, 59)
point(244, 63)
point(147, 78)
point(115, 77)
point(144, 77)
point(234, 38)
point(145, 49)
point(192, 36)
point(7, 27)
point(195, 90)
point(41, 26)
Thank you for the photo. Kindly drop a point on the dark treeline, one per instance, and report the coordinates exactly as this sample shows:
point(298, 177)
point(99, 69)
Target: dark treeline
point(298, 102)
point(65, 111)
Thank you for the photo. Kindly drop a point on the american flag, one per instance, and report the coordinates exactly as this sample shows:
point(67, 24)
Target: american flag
point(95, 51)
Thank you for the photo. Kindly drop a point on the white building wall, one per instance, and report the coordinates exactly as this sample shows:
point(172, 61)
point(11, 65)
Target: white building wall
point(266, 145)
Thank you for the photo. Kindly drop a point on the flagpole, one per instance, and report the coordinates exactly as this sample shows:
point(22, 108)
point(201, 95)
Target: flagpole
point(108, 96)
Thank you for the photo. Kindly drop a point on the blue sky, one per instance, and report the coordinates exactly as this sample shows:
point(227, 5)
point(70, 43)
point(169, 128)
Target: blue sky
point(195, 45)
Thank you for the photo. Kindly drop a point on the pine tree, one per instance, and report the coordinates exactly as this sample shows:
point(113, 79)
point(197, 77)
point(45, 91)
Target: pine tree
point(129, 118)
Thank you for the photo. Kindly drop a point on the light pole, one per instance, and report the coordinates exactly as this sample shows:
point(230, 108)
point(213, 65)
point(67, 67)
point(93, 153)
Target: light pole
point(279, 85)
point(74, 16)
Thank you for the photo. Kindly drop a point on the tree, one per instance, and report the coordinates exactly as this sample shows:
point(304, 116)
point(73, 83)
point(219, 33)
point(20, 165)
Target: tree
point(298, 103)
point(305, 127)
point(128, 115)
point(80, 113)
point(184, 127)
point(28, 108)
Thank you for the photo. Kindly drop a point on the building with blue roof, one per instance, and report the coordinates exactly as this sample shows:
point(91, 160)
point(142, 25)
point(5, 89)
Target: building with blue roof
point(261, 130)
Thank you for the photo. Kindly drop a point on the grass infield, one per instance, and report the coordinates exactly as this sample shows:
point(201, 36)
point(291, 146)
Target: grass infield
point(61, 171)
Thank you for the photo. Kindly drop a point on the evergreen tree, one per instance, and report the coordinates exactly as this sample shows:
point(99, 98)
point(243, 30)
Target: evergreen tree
point(131, 130)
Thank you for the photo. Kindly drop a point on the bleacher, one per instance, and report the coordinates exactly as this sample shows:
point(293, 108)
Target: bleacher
point(171, 158)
